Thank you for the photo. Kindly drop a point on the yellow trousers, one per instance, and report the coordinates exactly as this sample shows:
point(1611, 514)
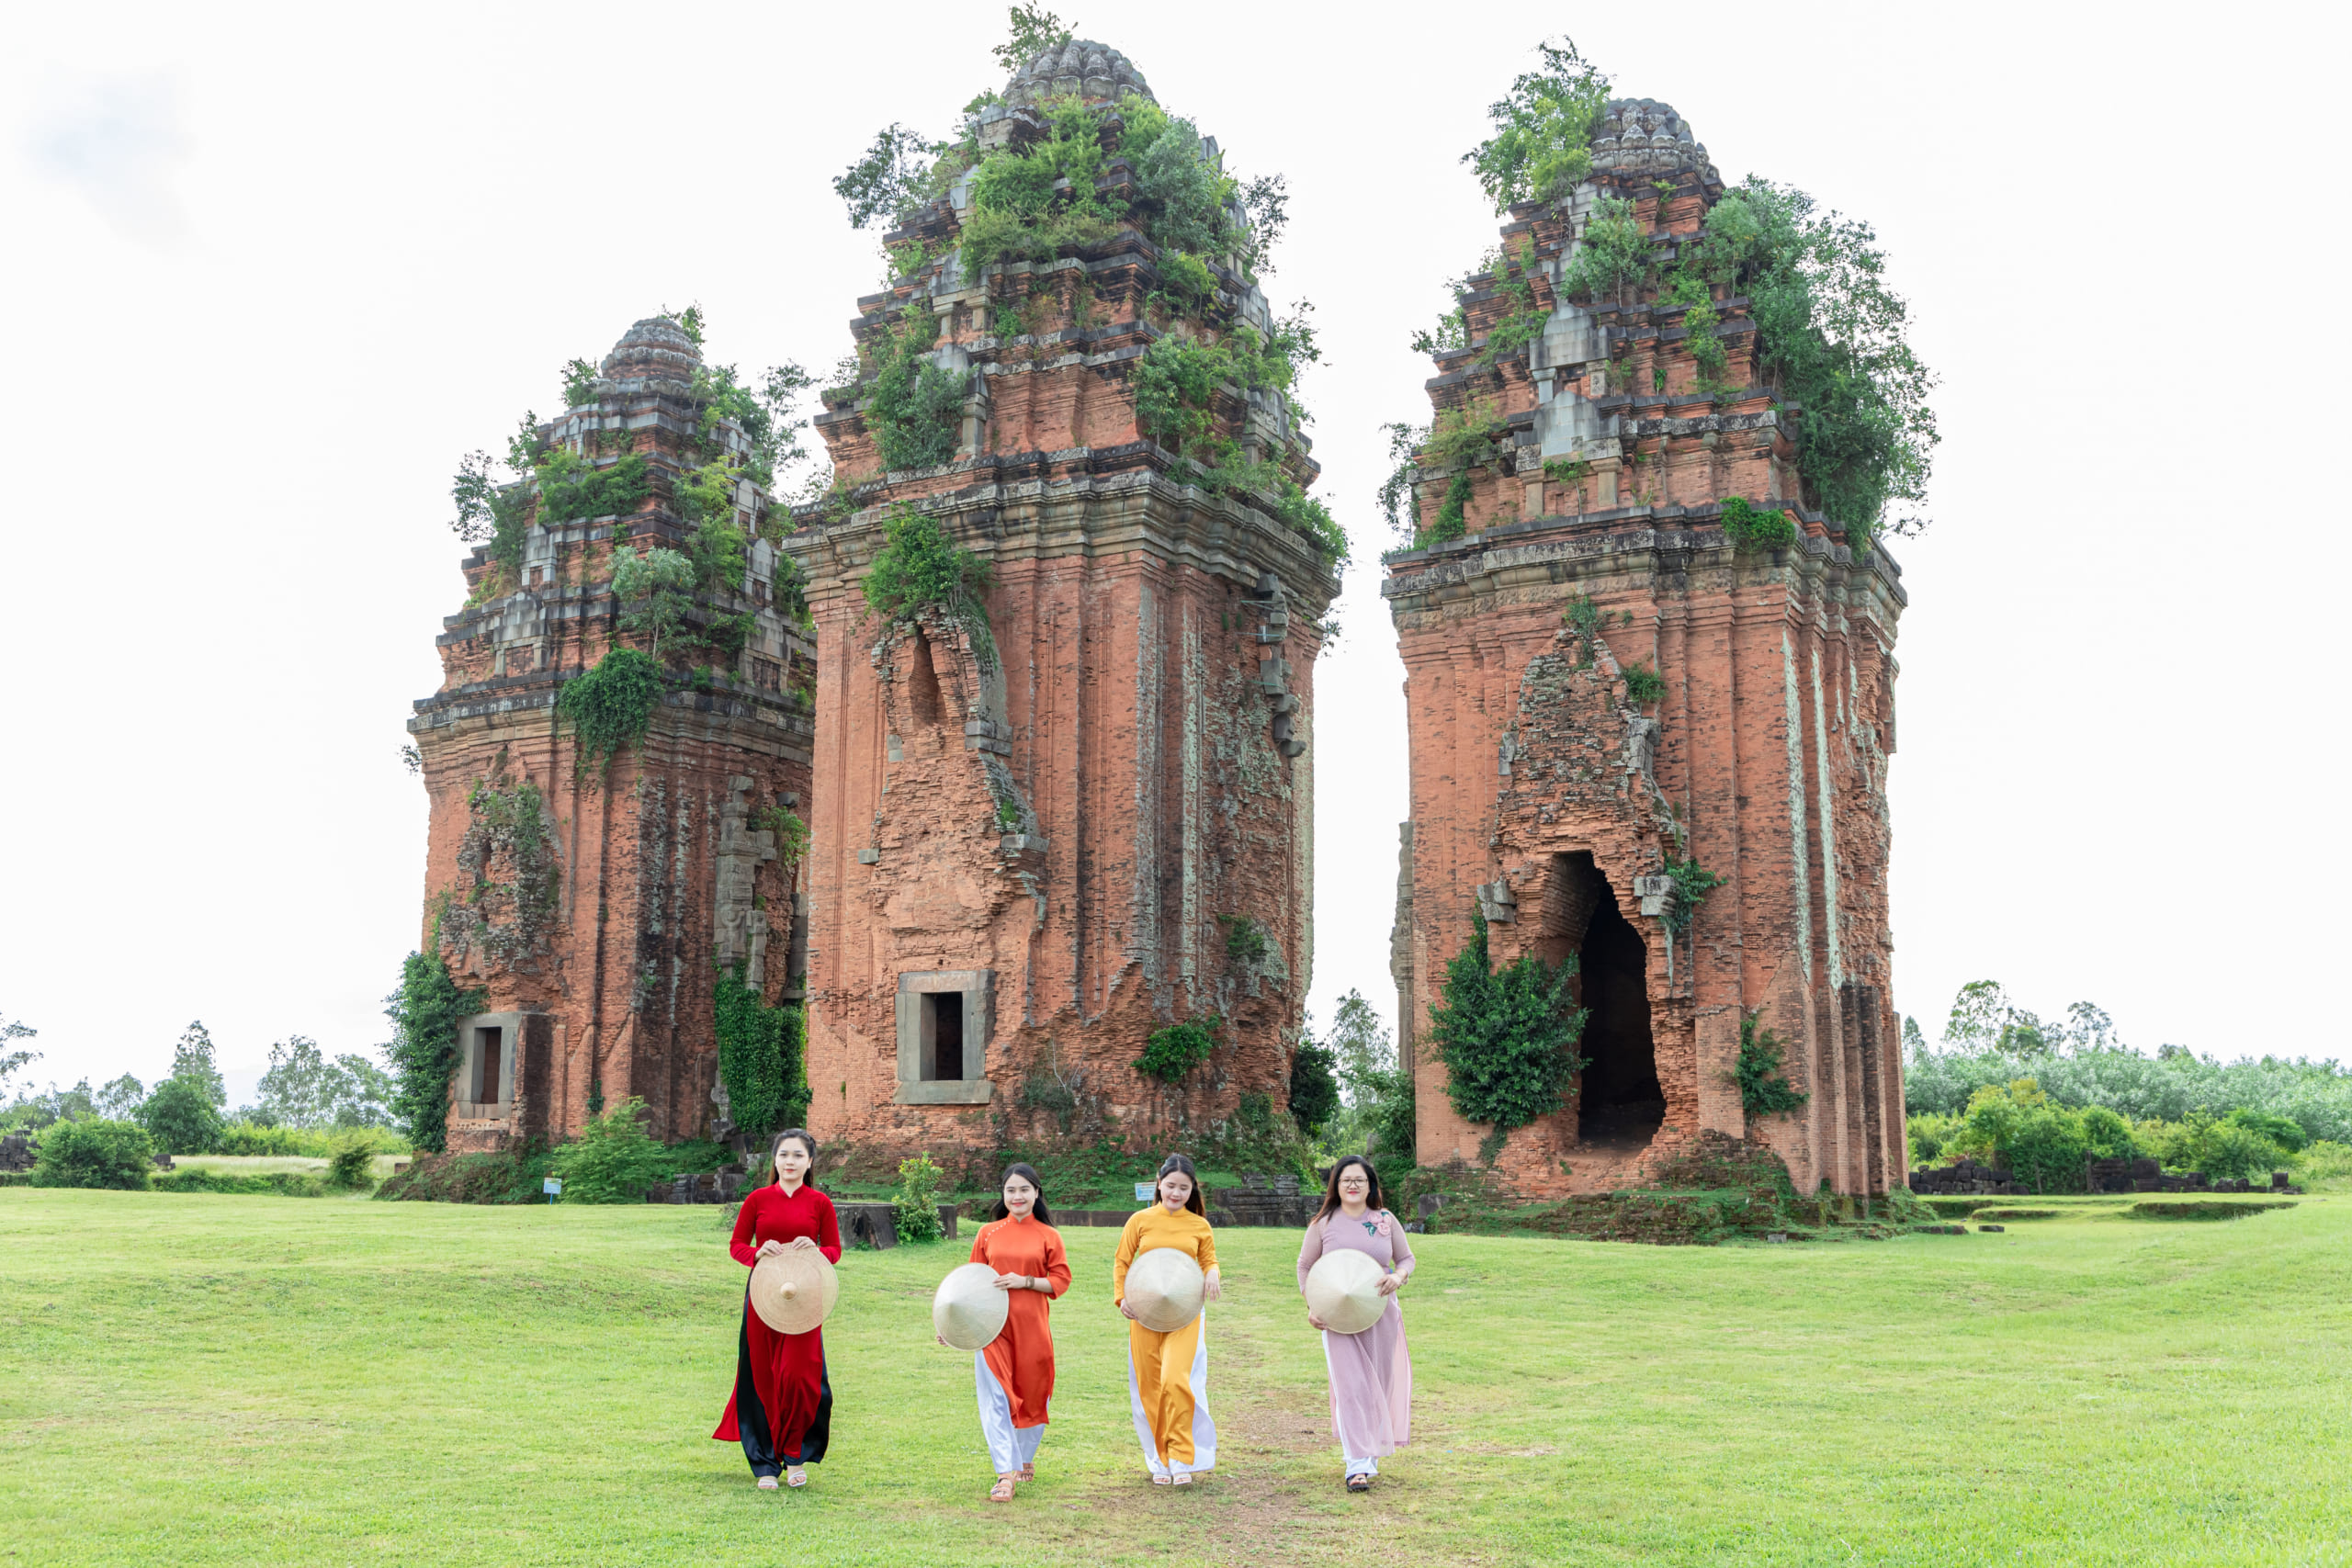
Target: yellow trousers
point(1168, 1386)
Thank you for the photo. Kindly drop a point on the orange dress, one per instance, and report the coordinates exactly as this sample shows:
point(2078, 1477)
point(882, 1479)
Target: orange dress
point(1022, 1357)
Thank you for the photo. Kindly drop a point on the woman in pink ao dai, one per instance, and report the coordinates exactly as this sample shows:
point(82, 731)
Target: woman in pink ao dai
point(1372, 1374)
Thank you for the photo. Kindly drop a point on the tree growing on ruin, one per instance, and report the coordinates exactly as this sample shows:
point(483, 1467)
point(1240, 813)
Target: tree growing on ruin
point(1507, 1036)
point(920, 566)
point(1543, 143)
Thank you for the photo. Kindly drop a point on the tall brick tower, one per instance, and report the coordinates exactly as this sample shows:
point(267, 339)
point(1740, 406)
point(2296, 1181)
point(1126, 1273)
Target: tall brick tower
point(1048, 829)
point(1563, 797)
point(596, 904)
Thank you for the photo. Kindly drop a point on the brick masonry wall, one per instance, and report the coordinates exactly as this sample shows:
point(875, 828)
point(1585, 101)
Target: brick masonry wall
point(1075, 818)
point(1082, 800)
point(1766, 761)
point(613, 917)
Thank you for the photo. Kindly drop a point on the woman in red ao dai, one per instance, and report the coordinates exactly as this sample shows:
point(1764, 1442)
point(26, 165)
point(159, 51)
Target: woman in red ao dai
point(782, 1409)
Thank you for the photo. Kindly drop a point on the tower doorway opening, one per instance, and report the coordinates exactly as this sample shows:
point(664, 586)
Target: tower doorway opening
point(1619, 1099)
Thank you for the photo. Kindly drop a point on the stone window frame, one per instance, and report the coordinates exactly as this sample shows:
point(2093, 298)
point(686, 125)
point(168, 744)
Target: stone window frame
point(979, 986)
point(469, 1062)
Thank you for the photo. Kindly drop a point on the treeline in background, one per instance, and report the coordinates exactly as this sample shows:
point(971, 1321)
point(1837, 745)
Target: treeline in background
point(2005, 1088)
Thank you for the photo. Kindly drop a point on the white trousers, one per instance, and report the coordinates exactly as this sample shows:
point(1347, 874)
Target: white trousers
point(1009, 1447)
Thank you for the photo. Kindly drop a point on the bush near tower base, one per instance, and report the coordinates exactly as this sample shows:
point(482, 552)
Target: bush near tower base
point(1507, 1037)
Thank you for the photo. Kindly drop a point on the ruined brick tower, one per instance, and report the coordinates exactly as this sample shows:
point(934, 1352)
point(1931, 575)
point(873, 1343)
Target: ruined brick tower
point(595, 906)
point(1046, 830)
point(1555, 792)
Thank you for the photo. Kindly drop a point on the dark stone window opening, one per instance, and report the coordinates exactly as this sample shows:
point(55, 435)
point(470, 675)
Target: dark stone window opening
point(942, 1035)
point(489, 1047)
point(1619, 1099)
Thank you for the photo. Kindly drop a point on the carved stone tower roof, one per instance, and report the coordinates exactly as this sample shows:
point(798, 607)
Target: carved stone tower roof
point(1094, 71)
point(1641, 135)
point(655, 348)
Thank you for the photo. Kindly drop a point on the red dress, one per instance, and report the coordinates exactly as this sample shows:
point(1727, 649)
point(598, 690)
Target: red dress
point(782, 1409)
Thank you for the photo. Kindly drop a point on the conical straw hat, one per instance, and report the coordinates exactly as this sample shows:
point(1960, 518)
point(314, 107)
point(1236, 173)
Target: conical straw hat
point(970, 1311)
point(1164, 1288)
point(1343, 1290)
point(795, 1290)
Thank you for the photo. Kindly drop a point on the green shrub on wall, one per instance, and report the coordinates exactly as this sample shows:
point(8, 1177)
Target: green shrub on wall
point(1764, 1089)
point(920, 566)
point(1752, 528)
point(1175, 1050)
point(1506, 1036)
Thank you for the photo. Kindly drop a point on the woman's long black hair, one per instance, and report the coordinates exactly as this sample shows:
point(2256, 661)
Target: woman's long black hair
point(809, 1177)
point(1027, 1173)
point(1176, 1164)
point(1331, 1187)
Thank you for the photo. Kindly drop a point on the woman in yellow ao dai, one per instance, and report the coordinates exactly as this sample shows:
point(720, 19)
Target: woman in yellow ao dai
point(1168, 1374)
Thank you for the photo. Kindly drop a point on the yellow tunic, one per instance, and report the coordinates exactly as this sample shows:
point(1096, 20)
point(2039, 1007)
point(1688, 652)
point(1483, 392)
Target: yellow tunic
point(1168, 1373)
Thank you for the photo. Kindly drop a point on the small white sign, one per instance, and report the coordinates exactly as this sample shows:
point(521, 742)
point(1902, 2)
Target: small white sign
point(1146, 1191)
point(551, 1186)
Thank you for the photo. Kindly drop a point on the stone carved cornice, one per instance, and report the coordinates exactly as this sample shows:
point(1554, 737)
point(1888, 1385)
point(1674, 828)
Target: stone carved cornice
point(1069, 509)
point(1538, 559)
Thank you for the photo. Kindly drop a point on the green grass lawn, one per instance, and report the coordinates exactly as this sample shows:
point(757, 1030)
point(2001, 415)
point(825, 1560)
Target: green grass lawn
point(213, 1380)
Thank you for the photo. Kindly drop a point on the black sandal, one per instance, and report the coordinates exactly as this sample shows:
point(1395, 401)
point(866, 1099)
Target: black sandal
point(1359, 1483)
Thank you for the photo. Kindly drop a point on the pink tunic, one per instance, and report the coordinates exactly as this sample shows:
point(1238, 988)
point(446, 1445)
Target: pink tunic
point(1371, 1375)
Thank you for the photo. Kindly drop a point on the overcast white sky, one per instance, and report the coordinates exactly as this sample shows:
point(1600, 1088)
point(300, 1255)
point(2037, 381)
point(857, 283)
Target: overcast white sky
point(272, 272)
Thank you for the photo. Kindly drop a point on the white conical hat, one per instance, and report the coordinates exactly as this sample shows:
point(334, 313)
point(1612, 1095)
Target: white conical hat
point(1164, 1288)
point(794, 1290)
point(969, 1310)
point(1343, 1290)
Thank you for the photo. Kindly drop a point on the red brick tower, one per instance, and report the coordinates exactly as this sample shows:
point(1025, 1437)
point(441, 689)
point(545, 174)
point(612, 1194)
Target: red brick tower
point(596, 908)
point(1549, 793)
point(1047, 831)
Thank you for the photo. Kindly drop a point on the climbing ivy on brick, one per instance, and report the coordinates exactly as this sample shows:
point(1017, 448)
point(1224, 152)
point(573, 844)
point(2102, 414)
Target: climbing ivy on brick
point(424, 1013)
point(1507, 1036)
point(762, 1057)
point(611, 706)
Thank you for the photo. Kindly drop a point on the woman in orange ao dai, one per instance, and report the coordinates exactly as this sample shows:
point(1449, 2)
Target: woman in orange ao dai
point(1168, 1374)
point(1016, 1374)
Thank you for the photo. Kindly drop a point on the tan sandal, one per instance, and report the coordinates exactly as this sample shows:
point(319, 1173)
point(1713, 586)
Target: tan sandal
point(1028, 1472)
